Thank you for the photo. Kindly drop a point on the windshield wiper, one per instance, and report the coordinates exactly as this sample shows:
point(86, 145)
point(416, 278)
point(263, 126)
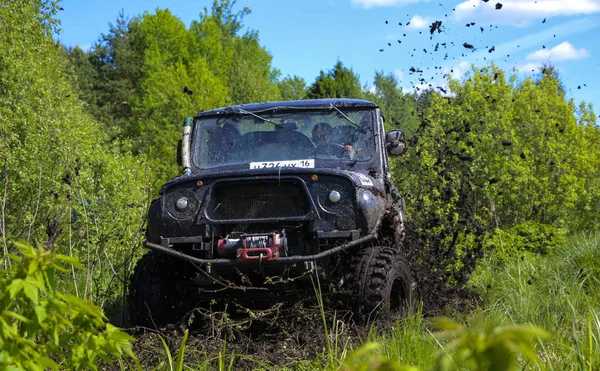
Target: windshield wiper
point(348, 118)
point(242, 111)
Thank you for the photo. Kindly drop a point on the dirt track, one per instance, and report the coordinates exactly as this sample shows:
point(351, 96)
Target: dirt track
point(277, 337)
point(281, 336)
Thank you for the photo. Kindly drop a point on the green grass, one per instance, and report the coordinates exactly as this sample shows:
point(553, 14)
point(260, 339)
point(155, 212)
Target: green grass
point(558, 292)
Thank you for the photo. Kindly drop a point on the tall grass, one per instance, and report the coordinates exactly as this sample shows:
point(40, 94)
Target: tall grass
point(558, 292)
point(409, 341)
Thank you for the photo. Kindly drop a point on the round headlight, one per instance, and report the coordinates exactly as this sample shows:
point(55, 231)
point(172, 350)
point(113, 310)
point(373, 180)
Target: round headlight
point(182, 203)
point(334, 196)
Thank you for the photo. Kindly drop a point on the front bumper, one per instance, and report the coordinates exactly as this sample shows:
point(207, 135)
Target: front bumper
point(281, 260)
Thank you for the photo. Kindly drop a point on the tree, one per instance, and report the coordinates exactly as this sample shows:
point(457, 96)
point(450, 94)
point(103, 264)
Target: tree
point(64, 185)
point(547, 70)
point(340, 82)
point(239, 61)
point(496, 155)
point(134, 78)
point(109, 73)
point(292, 88)
point(229, 22)
point(398, 108)
point(174, 83)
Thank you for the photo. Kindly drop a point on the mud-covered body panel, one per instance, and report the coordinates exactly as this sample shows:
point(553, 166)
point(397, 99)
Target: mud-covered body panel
point(293, 197)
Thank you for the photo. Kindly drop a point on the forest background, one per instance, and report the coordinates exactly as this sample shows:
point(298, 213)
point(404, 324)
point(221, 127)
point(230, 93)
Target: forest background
point(499, 166)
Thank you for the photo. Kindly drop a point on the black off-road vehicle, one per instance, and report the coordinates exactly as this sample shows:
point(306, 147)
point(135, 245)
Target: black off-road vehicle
point(273, 196)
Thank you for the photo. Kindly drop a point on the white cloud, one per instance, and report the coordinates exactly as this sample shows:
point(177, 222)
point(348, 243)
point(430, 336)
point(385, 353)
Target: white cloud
point(561, 52)
point(533, 41)
point(458, 70)
point(370, 88)
point(522, 12)
point(529, 67)
point(382, 3)
point(418, 23)
point(399, 74)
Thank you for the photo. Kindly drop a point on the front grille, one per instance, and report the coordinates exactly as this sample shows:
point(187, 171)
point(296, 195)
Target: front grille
point(264, 200)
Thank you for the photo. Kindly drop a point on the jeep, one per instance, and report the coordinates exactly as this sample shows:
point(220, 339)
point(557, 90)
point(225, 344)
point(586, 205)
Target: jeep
point(275, 199)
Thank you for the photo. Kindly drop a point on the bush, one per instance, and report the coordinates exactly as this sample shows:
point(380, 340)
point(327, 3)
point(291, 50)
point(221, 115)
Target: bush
point(529, 237)
point(42, 328)
point(498, 154)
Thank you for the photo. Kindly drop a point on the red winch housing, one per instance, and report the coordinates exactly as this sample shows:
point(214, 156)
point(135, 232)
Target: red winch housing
point(250, 247)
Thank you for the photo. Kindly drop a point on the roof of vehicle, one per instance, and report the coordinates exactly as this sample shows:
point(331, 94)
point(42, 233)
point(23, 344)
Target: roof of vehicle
point(291, 104)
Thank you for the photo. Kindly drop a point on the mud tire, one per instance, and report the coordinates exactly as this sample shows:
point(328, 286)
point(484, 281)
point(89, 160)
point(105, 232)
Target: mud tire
point(381, 285)
point(158, 291)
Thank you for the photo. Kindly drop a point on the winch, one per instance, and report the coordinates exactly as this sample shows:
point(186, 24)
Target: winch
point(252, 247)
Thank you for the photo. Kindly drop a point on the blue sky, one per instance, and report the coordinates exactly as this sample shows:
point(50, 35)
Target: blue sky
point(306, 36)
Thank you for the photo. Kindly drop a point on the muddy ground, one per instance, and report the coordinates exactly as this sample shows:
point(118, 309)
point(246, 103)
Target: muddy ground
point(285, 335)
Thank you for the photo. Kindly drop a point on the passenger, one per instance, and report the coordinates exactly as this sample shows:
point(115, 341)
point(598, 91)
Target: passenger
point(229, 135)
point(222, 142)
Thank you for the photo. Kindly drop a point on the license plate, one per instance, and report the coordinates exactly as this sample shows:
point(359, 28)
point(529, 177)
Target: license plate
point(302, 164)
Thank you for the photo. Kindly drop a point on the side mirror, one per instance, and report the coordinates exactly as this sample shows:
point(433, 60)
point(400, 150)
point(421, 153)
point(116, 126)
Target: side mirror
point(395, 143)
point(179, 157)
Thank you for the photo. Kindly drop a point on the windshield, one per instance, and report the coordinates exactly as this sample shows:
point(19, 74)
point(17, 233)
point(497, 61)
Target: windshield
point(316, 138)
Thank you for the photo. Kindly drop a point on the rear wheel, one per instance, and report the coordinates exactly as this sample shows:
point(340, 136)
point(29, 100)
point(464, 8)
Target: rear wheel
point(381, 284)
point(159, 291)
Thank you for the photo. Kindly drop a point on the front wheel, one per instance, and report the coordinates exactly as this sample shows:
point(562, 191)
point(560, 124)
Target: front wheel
point(159, 291)
point(381, 284)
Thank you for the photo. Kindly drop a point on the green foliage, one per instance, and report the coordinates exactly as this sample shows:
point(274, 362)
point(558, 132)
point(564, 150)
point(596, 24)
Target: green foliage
point(148, 73)
point(42, 328)
point(177, 364)
point(368, 358)
point(399, 109)
point(292, 88)
point(63, 184)
point(159, 105)
point(510, 164)
point(493, 156)
point(108, 75)
point(558, 292)
point(526, 237)
point(340, 82)
point(485, 347)
point(482, 346)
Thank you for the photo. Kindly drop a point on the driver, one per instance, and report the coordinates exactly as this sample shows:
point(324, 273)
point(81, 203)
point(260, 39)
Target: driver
point(322, 134)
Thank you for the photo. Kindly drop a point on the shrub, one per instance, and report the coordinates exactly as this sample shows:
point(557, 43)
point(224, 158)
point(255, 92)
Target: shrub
point(530, 237)
point(42, 328)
